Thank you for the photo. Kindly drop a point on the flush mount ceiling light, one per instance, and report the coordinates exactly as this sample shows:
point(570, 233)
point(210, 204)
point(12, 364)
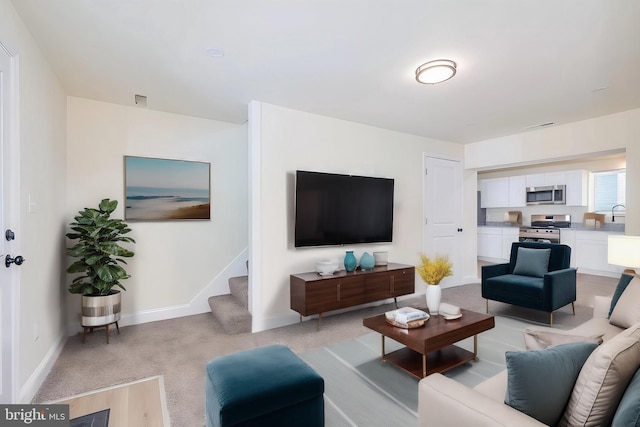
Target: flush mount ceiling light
point(437, 71)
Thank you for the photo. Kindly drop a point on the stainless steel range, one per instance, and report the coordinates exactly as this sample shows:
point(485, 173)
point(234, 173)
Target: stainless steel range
point(545, 228)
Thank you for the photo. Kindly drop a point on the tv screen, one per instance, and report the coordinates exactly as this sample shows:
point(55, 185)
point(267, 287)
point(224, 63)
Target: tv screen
point(333, 209)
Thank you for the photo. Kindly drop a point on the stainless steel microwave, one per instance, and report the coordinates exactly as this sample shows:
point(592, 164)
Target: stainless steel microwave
point(548, 195)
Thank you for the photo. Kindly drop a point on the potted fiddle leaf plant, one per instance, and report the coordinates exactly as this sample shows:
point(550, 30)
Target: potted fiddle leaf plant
point(432, 271)
point(100, 257)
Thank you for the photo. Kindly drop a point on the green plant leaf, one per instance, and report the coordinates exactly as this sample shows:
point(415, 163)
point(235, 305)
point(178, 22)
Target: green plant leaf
point(98, 250)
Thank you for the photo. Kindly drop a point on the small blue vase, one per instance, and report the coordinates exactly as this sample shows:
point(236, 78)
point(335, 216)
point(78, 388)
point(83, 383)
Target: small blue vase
point(350, 261)
point(367, 261)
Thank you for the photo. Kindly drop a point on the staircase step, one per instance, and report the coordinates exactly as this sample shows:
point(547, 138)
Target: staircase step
point(239, 287)
point(234, 318)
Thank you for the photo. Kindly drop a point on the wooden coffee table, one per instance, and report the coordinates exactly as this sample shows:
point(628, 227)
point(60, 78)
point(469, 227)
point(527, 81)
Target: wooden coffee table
point(431, 348)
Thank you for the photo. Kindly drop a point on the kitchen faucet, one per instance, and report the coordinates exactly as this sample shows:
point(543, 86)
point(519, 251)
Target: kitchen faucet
point(613, 218)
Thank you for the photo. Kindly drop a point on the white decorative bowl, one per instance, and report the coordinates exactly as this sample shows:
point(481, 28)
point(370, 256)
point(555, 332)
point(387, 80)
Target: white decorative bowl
point(326, 267)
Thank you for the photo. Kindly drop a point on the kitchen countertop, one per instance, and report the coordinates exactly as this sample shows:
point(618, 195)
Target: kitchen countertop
point(607, 226)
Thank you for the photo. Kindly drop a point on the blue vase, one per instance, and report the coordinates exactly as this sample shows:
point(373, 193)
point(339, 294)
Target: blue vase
point(367, 261)
point(350, 261)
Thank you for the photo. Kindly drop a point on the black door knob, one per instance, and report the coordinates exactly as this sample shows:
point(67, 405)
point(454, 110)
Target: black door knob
point(9, 235)
point(8, 260)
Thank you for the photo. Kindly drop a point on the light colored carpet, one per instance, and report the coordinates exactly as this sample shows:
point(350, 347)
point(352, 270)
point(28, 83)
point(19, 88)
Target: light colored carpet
point(180, 348)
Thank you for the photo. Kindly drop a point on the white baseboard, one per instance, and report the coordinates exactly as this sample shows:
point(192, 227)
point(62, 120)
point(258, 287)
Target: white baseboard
point(219, 285)
point(35, 381)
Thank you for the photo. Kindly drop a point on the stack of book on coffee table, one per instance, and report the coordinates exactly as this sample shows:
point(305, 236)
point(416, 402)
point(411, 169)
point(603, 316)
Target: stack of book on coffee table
point(407, 317)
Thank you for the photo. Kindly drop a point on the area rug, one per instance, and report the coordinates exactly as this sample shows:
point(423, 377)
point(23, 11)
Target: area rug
point(134, 404)
point(361, 390)
point(470, 297)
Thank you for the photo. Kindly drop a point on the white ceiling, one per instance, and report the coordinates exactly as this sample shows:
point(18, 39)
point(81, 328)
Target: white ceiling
point(520, 62)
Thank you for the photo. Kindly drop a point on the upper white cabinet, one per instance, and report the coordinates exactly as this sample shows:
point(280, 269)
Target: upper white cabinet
point(545, 179)
point(577, 186)
point(508, 192)
point(517, 191)
point(495, 192)
point(536, 180)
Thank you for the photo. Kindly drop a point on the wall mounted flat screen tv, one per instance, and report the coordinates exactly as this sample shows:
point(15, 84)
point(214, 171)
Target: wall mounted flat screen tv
point(334, 209)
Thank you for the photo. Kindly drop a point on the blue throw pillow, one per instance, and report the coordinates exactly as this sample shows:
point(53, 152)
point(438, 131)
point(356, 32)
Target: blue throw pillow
point(624, 281)
point(628, 412)
point(532, 262)
point(540, 382)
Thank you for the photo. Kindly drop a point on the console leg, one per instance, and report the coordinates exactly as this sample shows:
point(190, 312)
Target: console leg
point(573, 307)
point(551, 319)
point(487, 305)
point(395, 300)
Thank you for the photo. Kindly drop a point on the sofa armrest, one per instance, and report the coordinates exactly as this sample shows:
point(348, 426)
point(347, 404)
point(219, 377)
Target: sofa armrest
point(493, 270)
point(560, 287)
point(601, 306)
point(443, 402)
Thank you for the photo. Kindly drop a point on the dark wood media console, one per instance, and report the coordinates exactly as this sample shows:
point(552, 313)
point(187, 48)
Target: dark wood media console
point(312, 293)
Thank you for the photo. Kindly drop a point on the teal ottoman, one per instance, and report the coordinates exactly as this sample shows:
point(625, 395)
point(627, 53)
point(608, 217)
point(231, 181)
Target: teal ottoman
point(267, 386)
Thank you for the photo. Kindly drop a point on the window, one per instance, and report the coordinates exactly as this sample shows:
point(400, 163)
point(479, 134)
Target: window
point(609, 190)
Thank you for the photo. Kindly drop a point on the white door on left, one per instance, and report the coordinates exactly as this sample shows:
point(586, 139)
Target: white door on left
point(9, 230)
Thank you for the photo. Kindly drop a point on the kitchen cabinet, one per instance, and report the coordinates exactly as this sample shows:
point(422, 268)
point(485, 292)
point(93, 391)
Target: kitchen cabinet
point(568, 237)
point(517, 191)
point(508, 192)
point(591, 252)
point(490, 242)
point(577, 182)
point(545, 179)
point(495, 192)
point(495, 242)
point(509, 235)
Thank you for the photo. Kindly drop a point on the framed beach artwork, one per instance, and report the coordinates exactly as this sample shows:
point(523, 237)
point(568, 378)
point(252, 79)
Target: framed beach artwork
point(162, 189)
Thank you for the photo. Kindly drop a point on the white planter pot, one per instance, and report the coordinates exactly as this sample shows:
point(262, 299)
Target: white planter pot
point(101, 310)
point(433, 295)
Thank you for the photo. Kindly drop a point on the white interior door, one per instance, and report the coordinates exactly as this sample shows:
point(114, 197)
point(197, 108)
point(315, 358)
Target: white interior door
point(443, 213)
point(9, 215)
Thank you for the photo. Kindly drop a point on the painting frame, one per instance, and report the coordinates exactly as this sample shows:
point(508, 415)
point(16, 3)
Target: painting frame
point(158, 189)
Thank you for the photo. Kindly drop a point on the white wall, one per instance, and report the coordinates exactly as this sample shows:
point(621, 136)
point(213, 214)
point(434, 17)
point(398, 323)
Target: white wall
point(608, 134)
point(285, 140)
point(42, 121)
point(174, 260)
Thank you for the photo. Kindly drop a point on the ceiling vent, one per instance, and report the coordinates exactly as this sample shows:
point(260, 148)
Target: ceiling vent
point(141, 100)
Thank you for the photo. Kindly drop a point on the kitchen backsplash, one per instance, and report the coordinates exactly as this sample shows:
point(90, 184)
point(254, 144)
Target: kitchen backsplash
point(496, 215)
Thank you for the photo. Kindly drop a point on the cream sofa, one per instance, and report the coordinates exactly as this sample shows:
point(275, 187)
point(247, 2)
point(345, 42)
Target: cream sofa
point(444, 402)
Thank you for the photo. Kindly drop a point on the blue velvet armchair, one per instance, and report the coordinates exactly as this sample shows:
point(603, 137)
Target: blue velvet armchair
point(537, 276)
